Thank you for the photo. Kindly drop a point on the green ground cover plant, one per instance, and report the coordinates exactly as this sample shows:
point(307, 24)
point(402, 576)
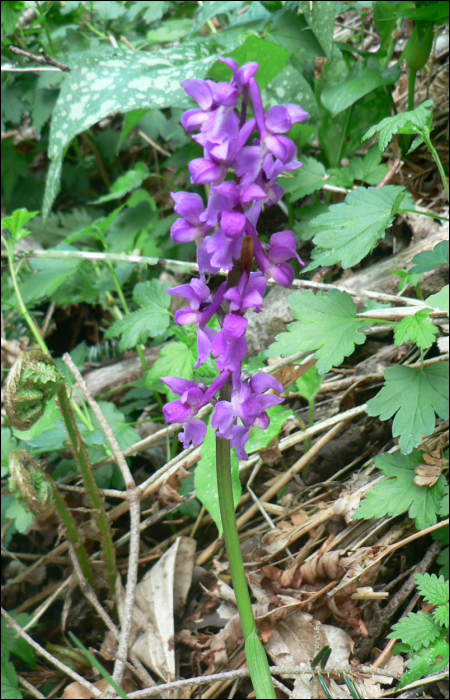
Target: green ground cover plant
point(95, 151)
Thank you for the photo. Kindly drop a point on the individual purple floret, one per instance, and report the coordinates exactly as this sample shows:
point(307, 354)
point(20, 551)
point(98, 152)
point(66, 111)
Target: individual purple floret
point(225, 231)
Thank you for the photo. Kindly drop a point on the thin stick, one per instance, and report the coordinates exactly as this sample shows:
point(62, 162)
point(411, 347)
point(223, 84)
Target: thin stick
point(44, 60)
point(54, 661)
point(154, 145)
point(30, 687)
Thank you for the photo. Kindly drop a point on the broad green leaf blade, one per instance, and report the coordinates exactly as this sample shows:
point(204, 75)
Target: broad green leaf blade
point(407, 123)
point(10, 682)
point(151, 320)
point(417, 630)
point(349, 231)
point(426, 662)
point(290, 86)
point(102, 84)
point(210, 8)
point(126, 183)
point(414, 396)
point(308, 179)
point(176, 360)
point(326, 324)
point(441, 614)
point(418, 329)
point(16, 645)
point(400, 494)
point(309, 384)
point(434, 589)
point(260, 439)
point(424, 262)
point(292, 32)
point(321, 20)
point(21, 516)
point(206, 478)
point(440, 300)
point(364, 79)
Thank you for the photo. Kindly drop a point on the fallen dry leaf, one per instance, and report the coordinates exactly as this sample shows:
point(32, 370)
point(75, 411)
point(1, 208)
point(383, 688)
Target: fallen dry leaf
point(427, 474)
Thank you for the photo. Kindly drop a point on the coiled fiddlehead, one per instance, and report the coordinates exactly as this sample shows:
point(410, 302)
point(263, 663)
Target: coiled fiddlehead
point(33, 380)
point(41, 497)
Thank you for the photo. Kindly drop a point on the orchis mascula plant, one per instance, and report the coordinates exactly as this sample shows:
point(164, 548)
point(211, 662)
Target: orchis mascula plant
point(225, 232)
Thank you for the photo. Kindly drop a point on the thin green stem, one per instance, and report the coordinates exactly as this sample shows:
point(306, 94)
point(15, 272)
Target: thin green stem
point(254, 650)
point(73, 535)
point(437, 160)
point(79, 447)
point(411, 87)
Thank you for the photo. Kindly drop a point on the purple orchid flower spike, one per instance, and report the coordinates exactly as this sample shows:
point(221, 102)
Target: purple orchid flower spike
point(272, 257)
point(249, 293)
point(226, 243)
point(191, 227)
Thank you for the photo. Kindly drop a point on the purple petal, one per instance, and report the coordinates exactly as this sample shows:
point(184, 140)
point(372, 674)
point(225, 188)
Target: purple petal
point(247, 72)
point(204, 343)
point(188, 205)
point(200, 91)
point(221, 198)
point(204, 171)
point(239, 440)
point(268, 401)
point(282, 273)
point(281, 147)
point(216, 386)
point(278, 120)
point(262, 422)
point(253, 193)
point(224, 94)
point(223, 419)
point(262, 382)
point(231, 63)
point(232, 223)
point(285, 239)
point(235, 326)
point(193, 119)
point(258, 109)
point(176, 385)
point(194, 397)
point(194, 431)
point(185, 317)
point(296, 113)
point(176, 412)
point(183, 232)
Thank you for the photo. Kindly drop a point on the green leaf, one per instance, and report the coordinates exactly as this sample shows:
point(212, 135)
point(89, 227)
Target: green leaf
point(321, 20)
point(349, 231)
point(368, 169)
point(151, 320)
point(260, 439)
point(417, 630)
point(272, 61)
point(308, 179)
point(413, 122)
point(9, 444)
point(16, 223)
point(309, 384)
point(441, 613)
point(49, 275)
point(400, 494)
point(290, 86)
point(406, 279)
point(21, 516)
point(210, 8)
point(10, 682)
point(433, 589)
point(132, 119)
point(206, 478)
point(172, 30)
point(176, 360)
point(292, 32)
point(418, 329)
point(424, 262)
point(11, 12)
point(44, 104)
point(102, 84)
point(366, 77)
point(426, 662)
point(440, 300)
point(16, 645)
point(126, 183)
point(444, 507)
point(327, 324)
point(414, 396)
point(124, 433)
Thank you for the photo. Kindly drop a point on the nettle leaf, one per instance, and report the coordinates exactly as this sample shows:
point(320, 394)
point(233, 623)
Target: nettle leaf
point(308, 179)
point(17, 221)
point(417, 630)
point(418, 329)
point(407, 123)
point(126, 183)
point(439, 301)
point(406, 279)
point(441, 613)
point(414, 396)
point(176, 360)
point(260, 439)
point(10, 682)
point(427, 661)
point(151, 320)
point(433, 589)
point(349, 231)
point(205, 478)
point(400, 494)
point(424, 262)
point(327, 324)
point(118, 81)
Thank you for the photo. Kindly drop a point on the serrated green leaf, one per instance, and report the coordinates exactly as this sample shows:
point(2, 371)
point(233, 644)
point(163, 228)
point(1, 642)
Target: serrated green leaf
point(206, 478)
point(407, 123)
point(424, 262)
point(326, 324)
point(426, 662)
point(440, 300)
point(417, 630)
point(49, 275)
point(16, 645)
point(441, 613)
point(433, 589)
point(125, 183)
point(17, 221)
point(320, 18)
point(399, 493)
point(151, 320)
point(308, 179)
point(406, 279)
point(260, 439)
point(101, 84)
point(176, 360)
point(444, 507)
point(10, 682)
point(418, 329)
point(349, 231)
point(414, 396)
point(210, 8)
point(369, 169)
point(21, 516)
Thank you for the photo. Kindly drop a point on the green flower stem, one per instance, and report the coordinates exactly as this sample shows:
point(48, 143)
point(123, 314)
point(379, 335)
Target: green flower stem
point(79, 447)
point(254, 650)
point(123, 301)
point(437, 160)
point(411, 88)
point(73, 535)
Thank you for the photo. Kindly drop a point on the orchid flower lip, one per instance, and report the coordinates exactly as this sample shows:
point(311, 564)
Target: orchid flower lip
point(255, 152)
